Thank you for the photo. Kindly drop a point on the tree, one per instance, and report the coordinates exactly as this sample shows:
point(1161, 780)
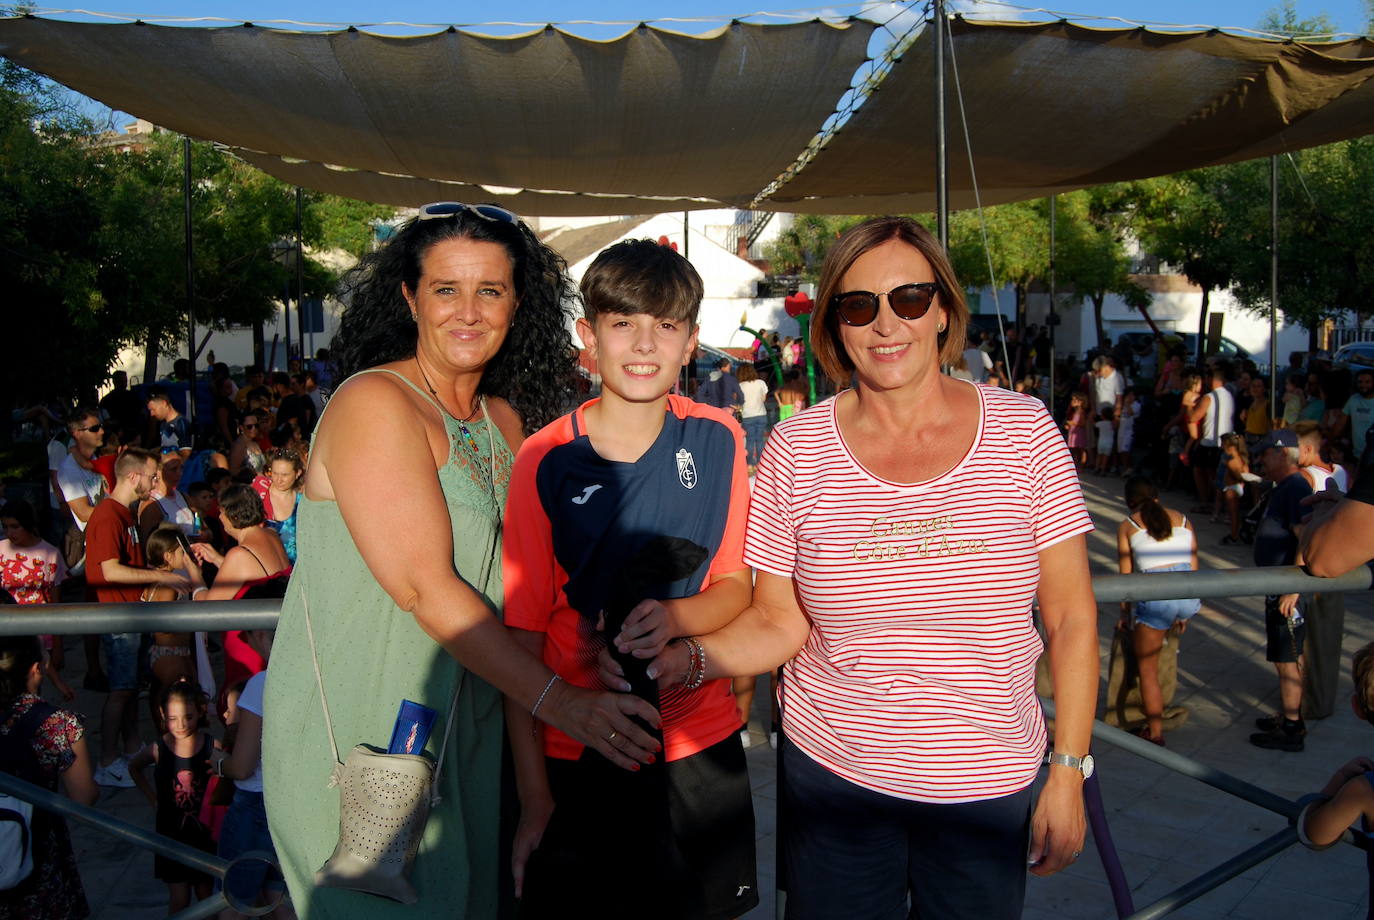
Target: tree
point(1090, 230)
point(1283, 20)
point(1190, 220)
point(93, 242)
point(801, 247)
point(1326, 235)
point(1017, 247)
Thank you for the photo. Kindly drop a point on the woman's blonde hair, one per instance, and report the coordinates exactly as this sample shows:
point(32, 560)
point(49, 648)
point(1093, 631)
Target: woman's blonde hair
point(871, 234)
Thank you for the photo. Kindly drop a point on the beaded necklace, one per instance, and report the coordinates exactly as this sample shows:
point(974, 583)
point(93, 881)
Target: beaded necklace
point(468, 439)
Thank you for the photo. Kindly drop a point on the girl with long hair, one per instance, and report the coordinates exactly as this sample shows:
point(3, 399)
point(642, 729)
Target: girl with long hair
point(1154, 538)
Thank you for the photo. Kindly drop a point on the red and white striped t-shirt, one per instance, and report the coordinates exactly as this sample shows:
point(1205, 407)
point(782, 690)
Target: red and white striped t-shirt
point(918, 679)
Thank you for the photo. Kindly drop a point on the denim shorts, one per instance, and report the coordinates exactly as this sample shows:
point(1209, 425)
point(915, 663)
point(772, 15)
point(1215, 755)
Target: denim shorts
point(245, 830)
point(1163, 614)
point(121, 659)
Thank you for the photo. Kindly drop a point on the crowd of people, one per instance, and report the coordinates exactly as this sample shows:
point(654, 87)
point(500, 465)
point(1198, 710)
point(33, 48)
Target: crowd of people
point(579, 585)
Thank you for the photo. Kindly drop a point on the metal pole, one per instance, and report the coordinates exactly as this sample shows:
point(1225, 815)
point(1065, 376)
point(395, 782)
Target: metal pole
point(300, 279)
point(1054, 209)
point(188, 616)
point(941, 154)
point(42, 798)
point(1108, 589)
point(1273, 287)
point(1270, 846)
point(686, 236)
point(190, 281)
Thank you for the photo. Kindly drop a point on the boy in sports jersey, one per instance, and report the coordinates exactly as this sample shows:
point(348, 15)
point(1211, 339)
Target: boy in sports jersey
point(588, 493)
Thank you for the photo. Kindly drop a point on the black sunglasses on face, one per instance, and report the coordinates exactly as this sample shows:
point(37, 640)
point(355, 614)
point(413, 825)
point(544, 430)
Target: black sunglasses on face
point(908, 301)
point(440, 209)
point(93, 429)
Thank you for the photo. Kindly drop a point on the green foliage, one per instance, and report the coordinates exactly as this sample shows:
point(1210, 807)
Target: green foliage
point(346, 223)
point(800, 249)
point(93, 242)
point(1283, 20)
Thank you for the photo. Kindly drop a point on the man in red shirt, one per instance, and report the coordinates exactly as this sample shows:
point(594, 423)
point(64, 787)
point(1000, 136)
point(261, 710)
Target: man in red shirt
point(116, 570)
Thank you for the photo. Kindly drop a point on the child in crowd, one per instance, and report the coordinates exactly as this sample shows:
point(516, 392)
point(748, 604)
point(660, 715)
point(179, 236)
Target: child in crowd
point(1125, 431)
point(1192, 392)
point(588, 494)
point(171, 657)
point(1349, 793)
point(1077, 426)
point(1236, 472)
point(181, 772)
point(1106, 436)
point(245, 825)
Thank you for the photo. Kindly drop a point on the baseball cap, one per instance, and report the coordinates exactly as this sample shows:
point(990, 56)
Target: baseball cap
point(1279, 437)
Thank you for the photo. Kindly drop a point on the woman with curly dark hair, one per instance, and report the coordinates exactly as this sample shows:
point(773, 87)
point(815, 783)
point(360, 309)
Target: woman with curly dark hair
point(456, 337)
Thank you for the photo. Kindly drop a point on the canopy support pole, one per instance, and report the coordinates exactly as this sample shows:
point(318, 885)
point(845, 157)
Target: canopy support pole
point(190, 280)
point(941, 154)
point(1052, 319)
point(1273, 287)
point(300, 280)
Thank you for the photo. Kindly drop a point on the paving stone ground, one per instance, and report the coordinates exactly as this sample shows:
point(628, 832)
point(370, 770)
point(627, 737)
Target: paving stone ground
point(1168, 829)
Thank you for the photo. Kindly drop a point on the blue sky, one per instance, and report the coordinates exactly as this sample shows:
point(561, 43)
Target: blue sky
point(1349, 15)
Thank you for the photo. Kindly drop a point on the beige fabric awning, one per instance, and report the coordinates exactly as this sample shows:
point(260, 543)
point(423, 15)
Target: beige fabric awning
point(654, 113)
point(1054, 106)
point(551, 123)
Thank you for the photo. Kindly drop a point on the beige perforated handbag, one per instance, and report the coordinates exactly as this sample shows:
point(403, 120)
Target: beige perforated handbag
point(384, 802)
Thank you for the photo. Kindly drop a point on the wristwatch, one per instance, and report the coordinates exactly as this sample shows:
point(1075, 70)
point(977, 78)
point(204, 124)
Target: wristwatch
point(1082, 764)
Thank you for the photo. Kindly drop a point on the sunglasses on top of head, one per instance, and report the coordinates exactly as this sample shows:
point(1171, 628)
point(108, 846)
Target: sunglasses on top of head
point(441, 209)
point(908, 301)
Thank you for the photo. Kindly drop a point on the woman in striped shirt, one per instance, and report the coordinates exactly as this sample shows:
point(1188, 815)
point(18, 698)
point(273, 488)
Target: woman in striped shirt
point(901, 532)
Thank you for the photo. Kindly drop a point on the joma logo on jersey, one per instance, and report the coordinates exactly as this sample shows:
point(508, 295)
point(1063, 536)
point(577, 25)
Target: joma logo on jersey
point(686, 469)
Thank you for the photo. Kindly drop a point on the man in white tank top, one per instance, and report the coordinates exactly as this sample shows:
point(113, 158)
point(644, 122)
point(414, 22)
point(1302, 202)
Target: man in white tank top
point(1317, 473)
point(1215, 412)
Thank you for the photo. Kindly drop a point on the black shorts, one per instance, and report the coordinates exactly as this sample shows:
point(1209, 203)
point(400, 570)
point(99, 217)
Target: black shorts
point(675, 841)
point(1283, 642)
point(1206, 458)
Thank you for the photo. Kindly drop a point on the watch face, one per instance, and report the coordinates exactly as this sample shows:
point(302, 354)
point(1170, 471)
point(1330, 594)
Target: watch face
point(1088, 765)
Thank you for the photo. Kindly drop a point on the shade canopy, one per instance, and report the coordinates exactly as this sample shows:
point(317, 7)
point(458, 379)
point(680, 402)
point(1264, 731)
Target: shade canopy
point(551, 123)
point(1051, 107)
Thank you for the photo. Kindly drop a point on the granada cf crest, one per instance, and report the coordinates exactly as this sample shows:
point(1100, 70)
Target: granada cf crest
point(686, 469)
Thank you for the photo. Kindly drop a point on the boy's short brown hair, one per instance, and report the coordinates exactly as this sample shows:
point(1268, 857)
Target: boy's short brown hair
point(1362, 675)
point(641, 276)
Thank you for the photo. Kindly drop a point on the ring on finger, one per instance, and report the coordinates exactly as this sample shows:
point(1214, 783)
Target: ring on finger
point(612, 736)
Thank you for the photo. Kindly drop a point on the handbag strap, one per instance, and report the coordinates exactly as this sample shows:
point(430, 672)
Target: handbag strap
point(434, 796)
point(329, 722)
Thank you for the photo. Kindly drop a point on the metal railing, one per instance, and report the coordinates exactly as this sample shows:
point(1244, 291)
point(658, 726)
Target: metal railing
point(75, 619)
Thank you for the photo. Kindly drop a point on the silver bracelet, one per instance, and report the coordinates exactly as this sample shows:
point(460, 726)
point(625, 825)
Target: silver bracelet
point(535, 708)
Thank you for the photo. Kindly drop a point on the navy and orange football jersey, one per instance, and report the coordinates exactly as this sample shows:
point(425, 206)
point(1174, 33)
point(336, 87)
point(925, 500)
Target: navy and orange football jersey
point(574, 518)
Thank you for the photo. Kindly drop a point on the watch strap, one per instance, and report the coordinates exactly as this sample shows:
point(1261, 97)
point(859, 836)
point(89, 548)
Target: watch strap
point(1065, 760)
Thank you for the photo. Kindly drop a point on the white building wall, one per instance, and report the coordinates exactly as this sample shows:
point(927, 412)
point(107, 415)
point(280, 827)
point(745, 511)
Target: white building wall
point(730, 282)
point(1172, 311)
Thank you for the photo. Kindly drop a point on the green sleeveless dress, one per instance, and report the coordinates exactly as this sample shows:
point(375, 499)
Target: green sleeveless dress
point(373, 655)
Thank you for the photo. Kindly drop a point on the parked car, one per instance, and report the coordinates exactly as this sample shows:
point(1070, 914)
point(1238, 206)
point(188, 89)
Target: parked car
point(1228, 349)
point(1356, 356)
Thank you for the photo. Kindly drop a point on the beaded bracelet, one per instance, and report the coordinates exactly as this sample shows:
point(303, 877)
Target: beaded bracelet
point(696, 668)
